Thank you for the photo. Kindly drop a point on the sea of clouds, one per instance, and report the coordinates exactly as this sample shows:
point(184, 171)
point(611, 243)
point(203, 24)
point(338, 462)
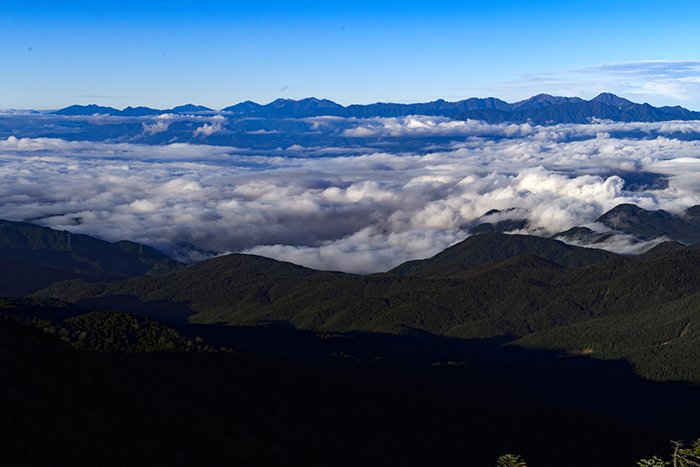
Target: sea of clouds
point(361, 203)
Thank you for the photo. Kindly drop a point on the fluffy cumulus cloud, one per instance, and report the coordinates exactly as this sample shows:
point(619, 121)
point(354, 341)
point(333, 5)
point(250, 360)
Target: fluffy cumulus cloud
point(159, 124)
point(419, 125)
point(208, 129)
point(365, 207)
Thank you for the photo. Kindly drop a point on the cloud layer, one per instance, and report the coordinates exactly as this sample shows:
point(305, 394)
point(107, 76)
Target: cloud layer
point(364, 197)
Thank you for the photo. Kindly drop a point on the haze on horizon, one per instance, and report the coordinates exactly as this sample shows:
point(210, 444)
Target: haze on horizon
point(167, 53)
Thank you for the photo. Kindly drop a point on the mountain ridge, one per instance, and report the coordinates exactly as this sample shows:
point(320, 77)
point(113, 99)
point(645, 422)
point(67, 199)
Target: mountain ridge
point(525, 287)
point(32, 257)
point(541, 109)
point(535, 291)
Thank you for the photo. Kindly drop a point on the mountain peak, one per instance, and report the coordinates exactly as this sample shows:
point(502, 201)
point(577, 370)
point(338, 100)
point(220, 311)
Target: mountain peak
point(90, 109)
point(139, 111)
point(545, 100)
point(187, 108)
point(489, 247)
point(610, 99)
point(648, 225)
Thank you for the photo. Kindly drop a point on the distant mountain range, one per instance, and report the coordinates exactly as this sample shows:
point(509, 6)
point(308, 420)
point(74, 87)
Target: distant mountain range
point(540, 109)
point(92, 109)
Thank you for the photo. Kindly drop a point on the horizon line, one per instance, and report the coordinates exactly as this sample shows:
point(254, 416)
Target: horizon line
point(209, 109)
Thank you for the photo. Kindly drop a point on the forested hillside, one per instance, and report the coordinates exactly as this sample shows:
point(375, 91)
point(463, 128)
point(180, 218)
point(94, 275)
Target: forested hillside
point(552, 295)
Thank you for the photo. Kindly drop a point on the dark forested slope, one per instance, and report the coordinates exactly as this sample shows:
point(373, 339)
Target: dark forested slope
point(64, 407)
point(33, 257)
point(489, 285)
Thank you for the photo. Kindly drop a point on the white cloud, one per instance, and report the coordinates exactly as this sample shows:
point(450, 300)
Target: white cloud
point(420, 125)
point(352, 209)
point(160, 125)
point(217, 125)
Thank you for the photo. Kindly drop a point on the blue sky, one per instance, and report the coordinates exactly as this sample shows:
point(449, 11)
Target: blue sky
point(165, 53)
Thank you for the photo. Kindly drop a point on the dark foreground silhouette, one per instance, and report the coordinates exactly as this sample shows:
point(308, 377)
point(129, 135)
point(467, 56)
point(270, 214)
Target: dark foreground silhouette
point(285, 397)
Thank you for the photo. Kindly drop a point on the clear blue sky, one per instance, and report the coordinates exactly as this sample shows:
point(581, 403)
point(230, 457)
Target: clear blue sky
point(215, 53)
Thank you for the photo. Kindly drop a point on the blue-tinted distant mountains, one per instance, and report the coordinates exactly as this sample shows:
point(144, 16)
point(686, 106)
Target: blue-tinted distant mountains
point(92, 109)
point(540, 109)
